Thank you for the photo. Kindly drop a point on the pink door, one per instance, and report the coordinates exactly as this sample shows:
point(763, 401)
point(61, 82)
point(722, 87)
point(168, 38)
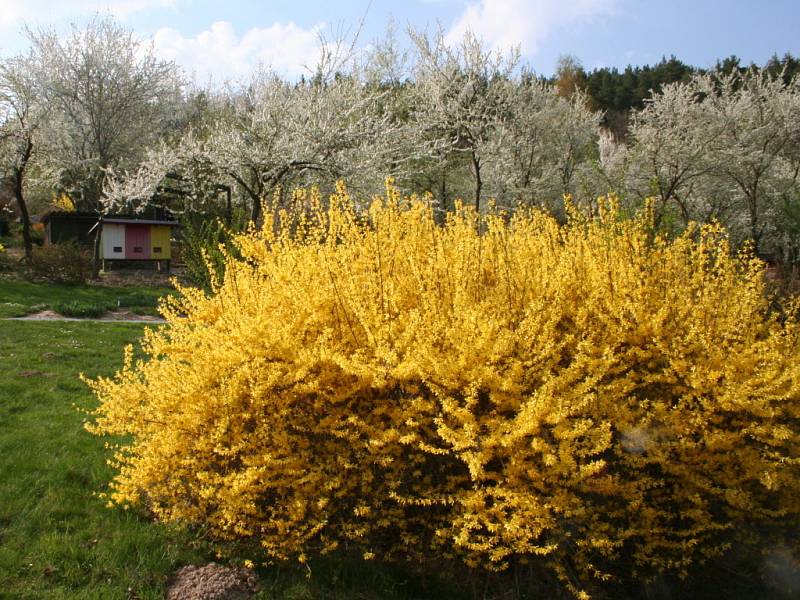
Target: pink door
point(137, 242)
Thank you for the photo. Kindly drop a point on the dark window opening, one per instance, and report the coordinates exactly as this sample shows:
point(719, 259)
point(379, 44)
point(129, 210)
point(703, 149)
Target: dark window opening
point(156, 248)
point(137, 249)
point(117, 248)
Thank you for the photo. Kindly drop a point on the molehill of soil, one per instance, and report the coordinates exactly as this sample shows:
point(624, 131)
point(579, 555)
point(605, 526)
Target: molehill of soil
point(212, 582)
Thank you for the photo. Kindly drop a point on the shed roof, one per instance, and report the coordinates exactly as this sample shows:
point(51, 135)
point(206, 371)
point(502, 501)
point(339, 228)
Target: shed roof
point(134, 221)
point(73, 215)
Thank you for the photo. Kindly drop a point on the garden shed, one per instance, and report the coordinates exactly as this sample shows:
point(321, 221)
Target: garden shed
point(136, 239)
point(69, 226)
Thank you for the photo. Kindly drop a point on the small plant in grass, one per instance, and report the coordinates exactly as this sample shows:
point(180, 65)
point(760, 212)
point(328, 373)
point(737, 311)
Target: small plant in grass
point(81, 309)
point(591, 398)
point(137, 299)
point(12, 309)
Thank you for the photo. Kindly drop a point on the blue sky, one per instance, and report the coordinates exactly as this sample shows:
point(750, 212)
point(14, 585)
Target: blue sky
point(226, 39)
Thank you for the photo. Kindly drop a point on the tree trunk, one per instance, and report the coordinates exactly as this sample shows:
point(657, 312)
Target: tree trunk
point(228, 206)
point(19, 176)
point(26, 219)
point(752, 202)
point(476, 165)
point(444, 190)
point(96, 252)
point(255, 215)
point(441, 217)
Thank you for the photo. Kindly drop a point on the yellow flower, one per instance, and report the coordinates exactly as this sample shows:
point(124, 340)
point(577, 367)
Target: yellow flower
point(488, 389)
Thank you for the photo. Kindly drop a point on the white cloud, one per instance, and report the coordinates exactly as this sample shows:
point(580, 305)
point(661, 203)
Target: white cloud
point(17, 11)
point(502, 24)
point(221, 54)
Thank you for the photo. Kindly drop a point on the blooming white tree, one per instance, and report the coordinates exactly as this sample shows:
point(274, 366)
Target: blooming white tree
point(674, 142)
point(758, 117)
point(720, 147)
point(22, 117)
point(460, 97)
point(541, 144)
point(111, 98)
point(270, 135)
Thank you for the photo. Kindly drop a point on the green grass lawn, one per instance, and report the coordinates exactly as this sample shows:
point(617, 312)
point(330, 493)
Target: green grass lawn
point(18, 298)
point(59, 540)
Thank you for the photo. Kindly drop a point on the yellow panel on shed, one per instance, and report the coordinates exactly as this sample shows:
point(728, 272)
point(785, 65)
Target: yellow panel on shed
point(159, 238)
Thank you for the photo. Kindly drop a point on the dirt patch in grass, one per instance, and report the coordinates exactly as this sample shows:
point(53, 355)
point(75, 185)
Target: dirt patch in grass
point(42, 315)
point(31, 373)
point(212, 582)
point(111, 315)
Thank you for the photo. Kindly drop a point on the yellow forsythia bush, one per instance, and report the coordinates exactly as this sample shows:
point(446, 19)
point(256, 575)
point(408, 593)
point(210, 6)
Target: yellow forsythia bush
point(487, 390)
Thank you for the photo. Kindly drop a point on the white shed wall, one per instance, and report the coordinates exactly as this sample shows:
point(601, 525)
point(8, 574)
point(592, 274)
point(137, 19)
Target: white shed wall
point(113, 237)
